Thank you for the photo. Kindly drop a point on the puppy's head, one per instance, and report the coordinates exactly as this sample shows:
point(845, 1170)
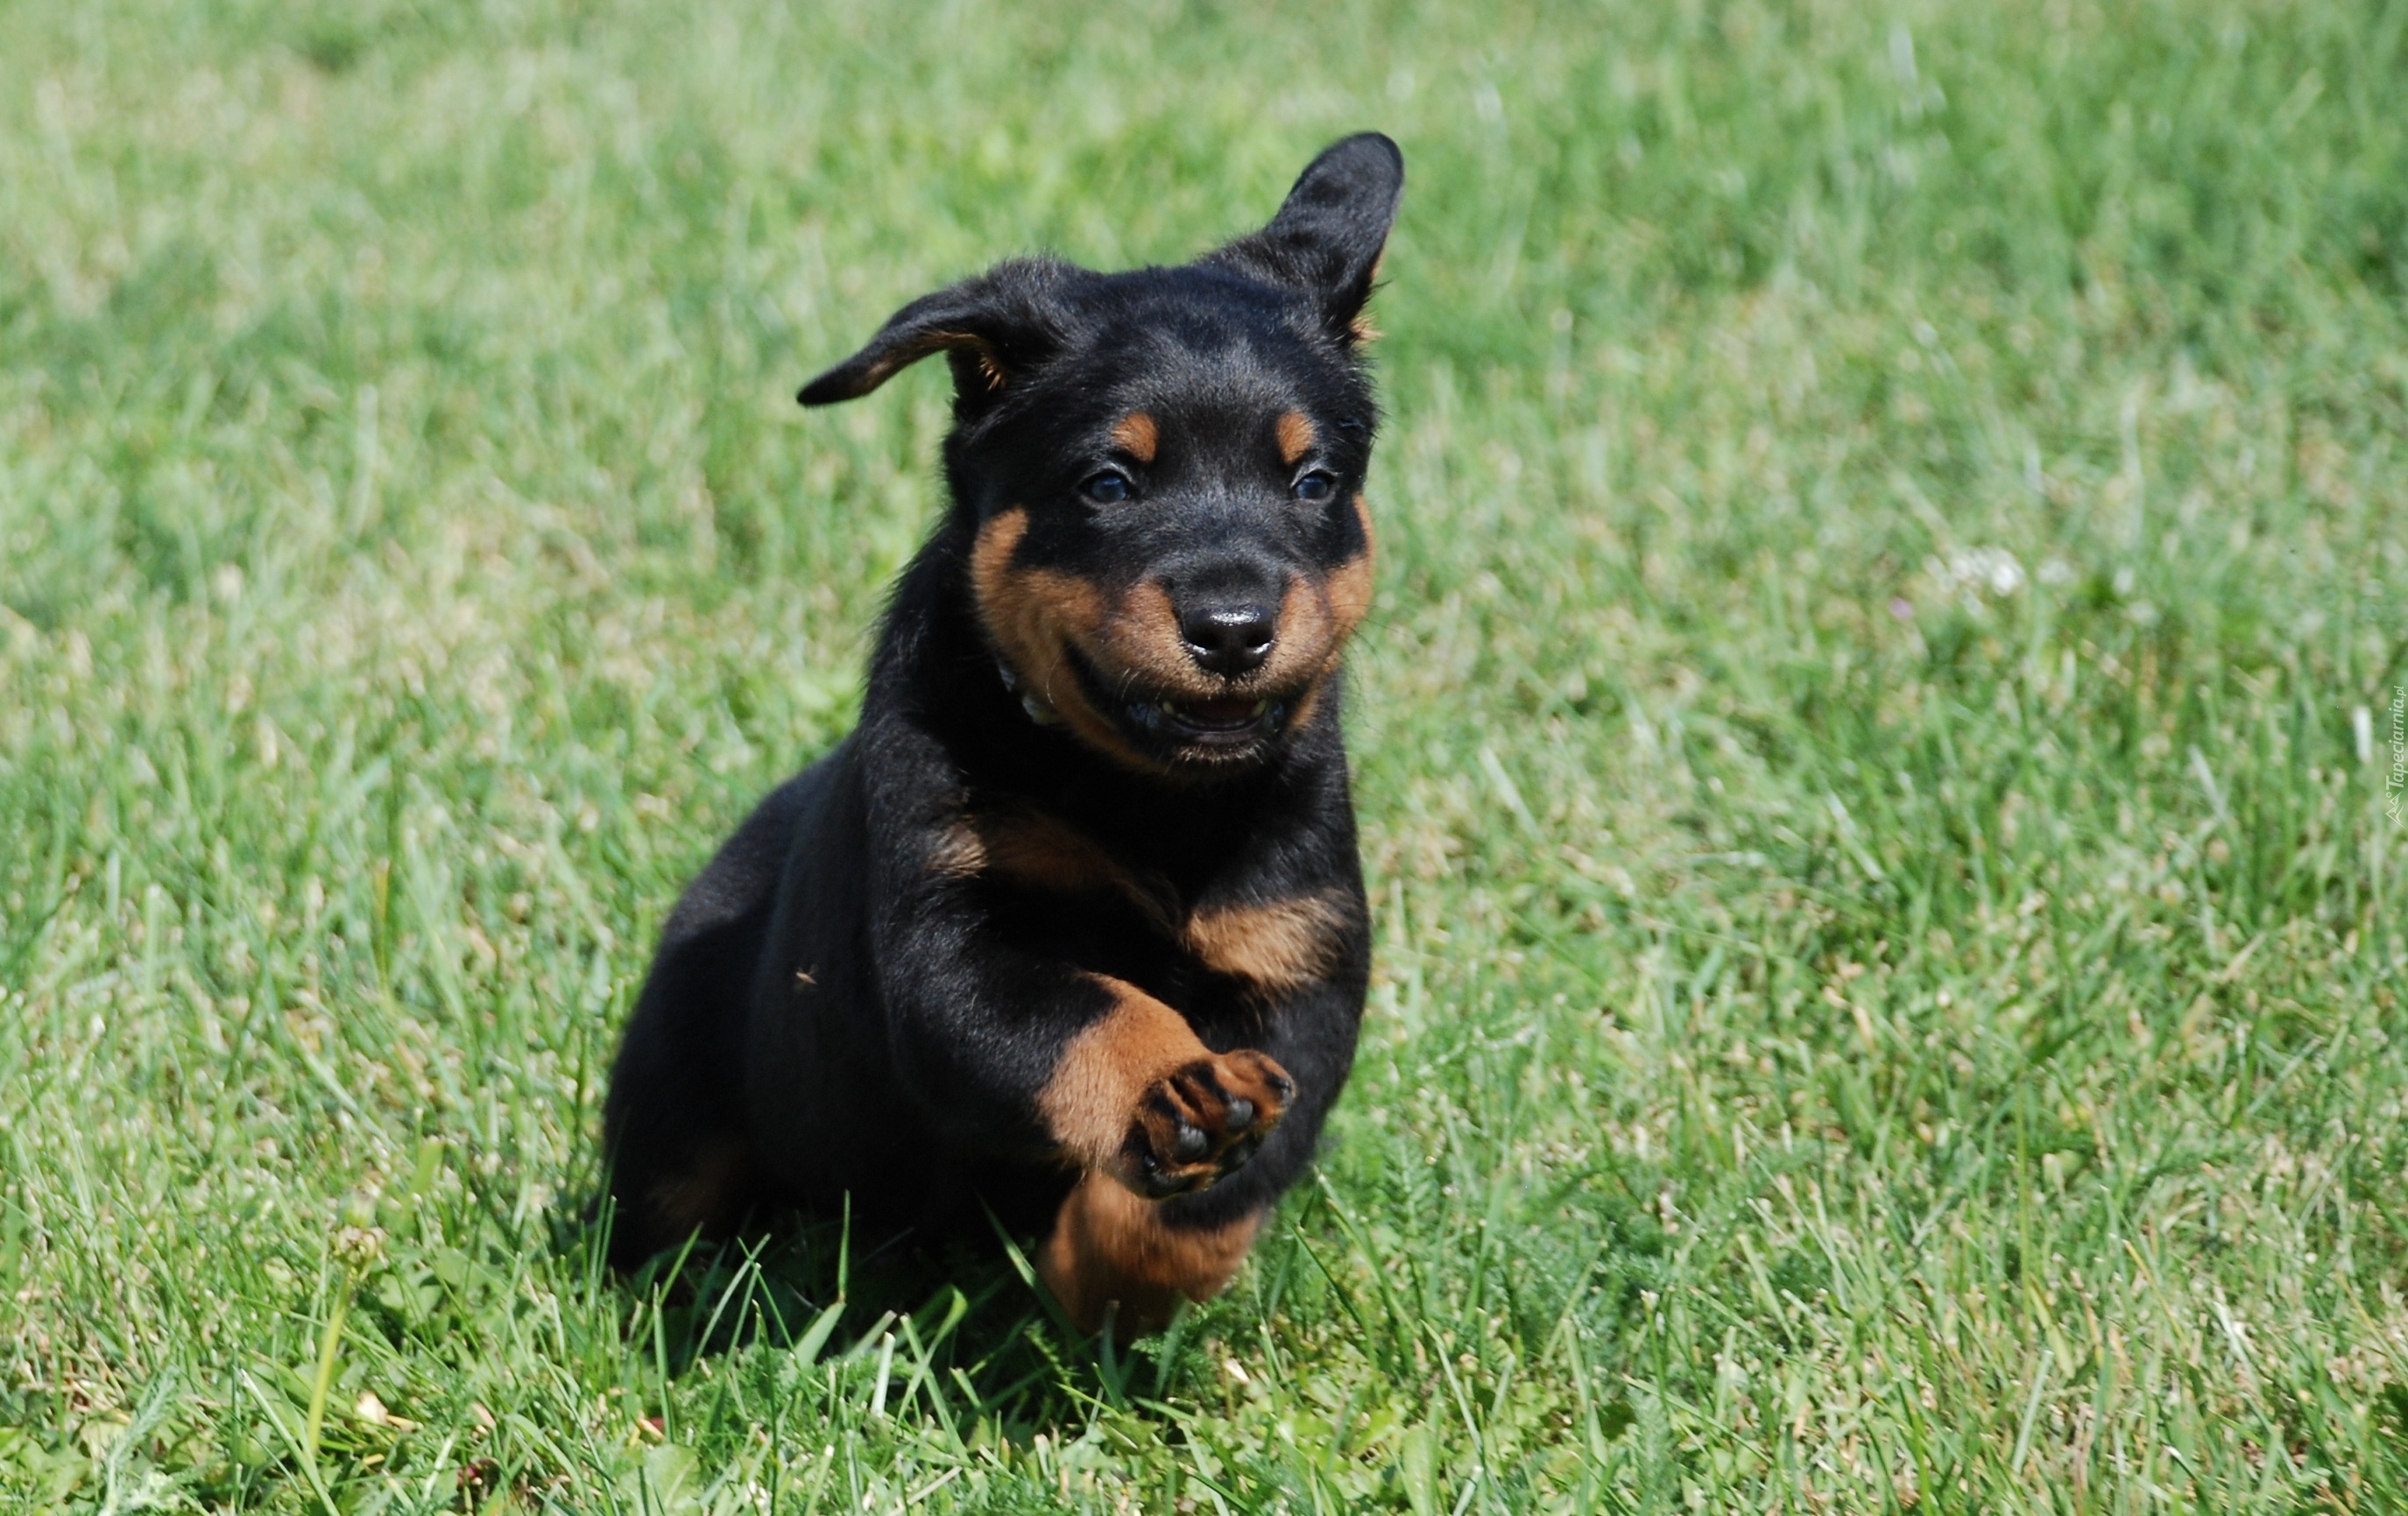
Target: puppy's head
point(1163, 471)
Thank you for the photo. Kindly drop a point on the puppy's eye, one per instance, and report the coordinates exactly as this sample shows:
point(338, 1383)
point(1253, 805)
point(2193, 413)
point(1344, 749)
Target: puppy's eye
point(1108, 487)
point(1317, 486)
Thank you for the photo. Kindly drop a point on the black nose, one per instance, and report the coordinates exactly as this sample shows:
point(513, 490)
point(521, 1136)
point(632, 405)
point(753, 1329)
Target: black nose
point(1229, 641)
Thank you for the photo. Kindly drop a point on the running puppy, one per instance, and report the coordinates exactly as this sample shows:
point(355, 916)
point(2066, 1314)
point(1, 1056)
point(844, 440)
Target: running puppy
point(1072, 925)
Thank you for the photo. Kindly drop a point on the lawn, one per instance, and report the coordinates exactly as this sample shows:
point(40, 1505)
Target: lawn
point(1876, 747)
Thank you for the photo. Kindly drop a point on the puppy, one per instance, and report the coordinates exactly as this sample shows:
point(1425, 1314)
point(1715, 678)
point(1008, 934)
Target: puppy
point(1071, 927)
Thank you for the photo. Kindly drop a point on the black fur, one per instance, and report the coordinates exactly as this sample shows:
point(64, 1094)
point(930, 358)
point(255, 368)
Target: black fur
point(837, 1007)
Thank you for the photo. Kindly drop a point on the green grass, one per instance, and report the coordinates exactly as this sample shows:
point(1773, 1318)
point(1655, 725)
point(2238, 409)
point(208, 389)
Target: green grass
point(1872, 748)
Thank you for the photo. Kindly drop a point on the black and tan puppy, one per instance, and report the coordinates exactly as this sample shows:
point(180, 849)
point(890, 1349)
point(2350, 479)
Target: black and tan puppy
point(1072, 925)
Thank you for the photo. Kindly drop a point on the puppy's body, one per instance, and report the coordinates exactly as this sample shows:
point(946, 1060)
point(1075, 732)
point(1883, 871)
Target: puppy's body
point(1072, 925)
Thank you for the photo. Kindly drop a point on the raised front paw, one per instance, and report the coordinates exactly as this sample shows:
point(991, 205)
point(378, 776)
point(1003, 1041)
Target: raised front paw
point(1201, 1121)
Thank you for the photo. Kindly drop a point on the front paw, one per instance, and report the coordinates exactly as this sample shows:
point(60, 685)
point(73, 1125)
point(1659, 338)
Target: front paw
point(1201, 1121)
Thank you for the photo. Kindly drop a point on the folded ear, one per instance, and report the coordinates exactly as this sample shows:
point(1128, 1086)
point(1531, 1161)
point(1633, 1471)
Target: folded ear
point(994, 328)
point(1327, 238)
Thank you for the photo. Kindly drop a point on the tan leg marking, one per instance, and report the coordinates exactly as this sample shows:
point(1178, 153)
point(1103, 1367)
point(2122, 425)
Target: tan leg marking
point(1135, 434)
point(1092, 1100)
point(1277, 948)
point(1138, 1096)
point(1110, 1246)
point(1296, 436)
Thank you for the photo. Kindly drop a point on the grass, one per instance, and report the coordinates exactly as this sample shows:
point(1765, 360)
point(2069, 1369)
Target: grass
point(1873, 749)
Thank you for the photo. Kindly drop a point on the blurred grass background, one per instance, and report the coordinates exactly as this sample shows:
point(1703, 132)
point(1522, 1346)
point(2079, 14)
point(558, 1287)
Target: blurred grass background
point(1872, 748)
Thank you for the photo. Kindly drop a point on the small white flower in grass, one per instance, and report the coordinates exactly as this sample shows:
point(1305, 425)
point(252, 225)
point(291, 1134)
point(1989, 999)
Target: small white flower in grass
point(1994, 570)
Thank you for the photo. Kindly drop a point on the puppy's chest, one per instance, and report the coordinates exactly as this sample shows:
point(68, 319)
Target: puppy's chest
point(1233, 928)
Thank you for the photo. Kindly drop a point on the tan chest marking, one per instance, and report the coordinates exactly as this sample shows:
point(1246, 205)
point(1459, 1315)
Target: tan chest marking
point(1277, 948)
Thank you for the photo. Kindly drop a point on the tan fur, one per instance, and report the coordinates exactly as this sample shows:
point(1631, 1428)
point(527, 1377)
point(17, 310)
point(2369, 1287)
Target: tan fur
point(1276, 948)
point(1308, 705)
point(1348, 591)
point(1346, 599)
point(919, 348)
point(1110, 1249)
point(1296, 436)
point(1035, 616)
point(959, 853)
point(1091, 1098)
point(1043, 850)
point(1147, 642)
point(1137, 435)
point(1360, 328)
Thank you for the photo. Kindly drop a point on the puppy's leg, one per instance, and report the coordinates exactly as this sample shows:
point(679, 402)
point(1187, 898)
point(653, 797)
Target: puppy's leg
point(1110, 1248)
point(674, 1125)
point(1138, 1095)
point(678, 1160)
point(1151, 1113)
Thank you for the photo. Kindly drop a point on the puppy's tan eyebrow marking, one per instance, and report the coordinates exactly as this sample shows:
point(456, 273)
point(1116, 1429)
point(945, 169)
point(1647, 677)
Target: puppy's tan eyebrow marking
point(1135, 434)
point(1296, 436)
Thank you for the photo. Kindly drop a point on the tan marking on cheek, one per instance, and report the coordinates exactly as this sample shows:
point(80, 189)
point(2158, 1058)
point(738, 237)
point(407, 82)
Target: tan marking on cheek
point(1277, 948)
point(1033, 615)
point(1301, 638)
point(1308, 705)
point(1296, 436)
point(1144, 638)
point(1090, 1101)
point(1350, 583)
point(991, 555)
point(1111, 1249)
point(1137, 435)
point(1349, 595)
point(1315, 620)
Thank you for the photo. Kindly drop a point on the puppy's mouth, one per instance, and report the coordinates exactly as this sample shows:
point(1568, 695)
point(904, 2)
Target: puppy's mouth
point(1213, 729)
point(1232, 721)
